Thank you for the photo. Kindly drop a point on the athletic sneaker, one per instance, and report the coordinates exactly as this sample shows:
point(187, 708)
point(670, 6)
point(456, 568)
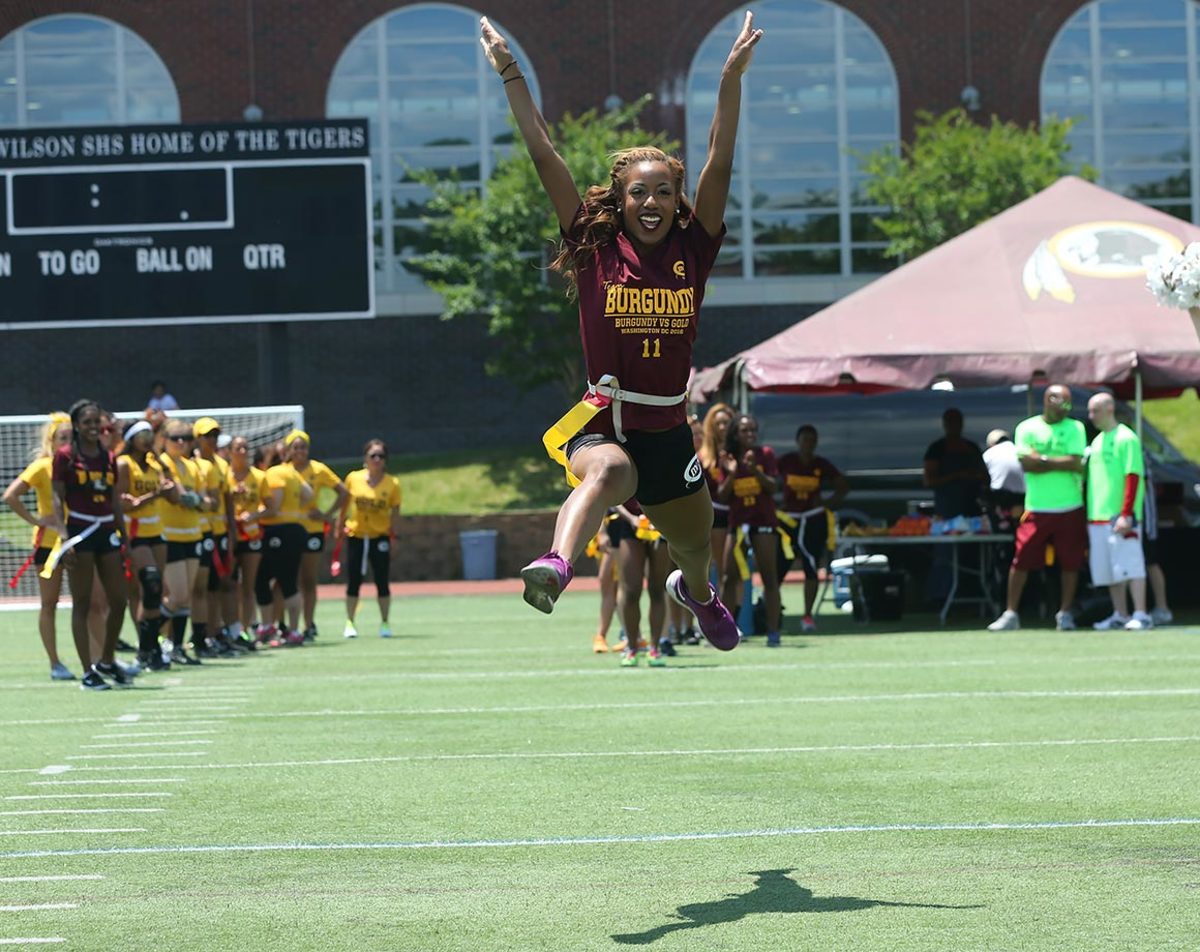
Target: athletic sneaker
point(113, 673)
point(92, 681)
point(1112, 622)
point(1139, 622)
point(348, 630)
point(667, 646)
point(545, 578)
point(294, 638)
point(180, 656)
point(599, 644)
point(1064, 621)
point(385, 631)
point(714, 619)
point(621, 645)
point(691, 636)
point(1162, 616)
point(265, 633)
point(123, 645)
point(655, 659)
point(310, 633)
point(807, 624)
point(773, 639)
point(1009, 620)
point(60, 672)
point(629, 659)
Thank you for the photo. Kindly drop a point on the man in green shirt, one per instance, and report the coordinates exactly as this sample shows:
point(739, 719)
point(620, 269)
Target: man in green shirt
point(1050, 448)
point(1115, 492)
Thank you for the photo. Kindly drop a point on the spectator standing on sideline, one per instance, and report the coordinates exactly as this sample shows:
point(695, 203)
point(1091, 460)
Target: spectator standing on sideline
point(807, 514)
point(1005, 477)
point(954, 470)
point(1051, 449)
point(1161, 614)
point(160, 399)
point(1115, 493)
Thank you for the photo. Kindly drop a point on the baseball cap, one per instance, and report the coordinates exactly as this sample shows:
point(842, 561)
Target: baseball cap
point(223, 441)
point(204, 426)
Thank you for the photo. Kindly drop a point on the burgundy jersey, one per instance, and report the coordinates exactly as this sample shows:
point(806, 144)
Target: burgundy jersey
point(712, 479)
point(802, 481)
point(638, 317)
point(87, 480)
point(751, 503)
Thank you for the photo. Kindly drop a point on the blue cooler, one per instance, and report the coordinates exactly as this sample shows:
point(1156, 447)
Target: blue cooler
point(842, 569)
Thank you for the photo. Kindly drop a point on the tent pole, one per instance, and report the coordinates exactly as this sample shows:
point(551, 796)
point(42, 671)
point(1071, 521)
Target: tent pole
point(741, 395)
point(1137, 401)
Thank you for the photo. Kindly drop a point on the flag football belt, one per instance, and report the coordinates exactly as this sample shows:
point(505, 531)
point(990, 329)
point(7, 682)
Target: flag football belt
point(37, 542)
point(604, 393)
point(743, 534)
point(62, 548)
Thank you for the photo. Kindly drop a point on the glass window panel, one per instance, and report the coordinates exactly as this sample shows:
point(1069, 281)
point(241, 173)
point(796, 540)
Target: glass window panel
point(8, 66)
point(728, 263)
point(71, 69)
point(795, 193)
point(800, 17)
point(769, 263)
point(792, 157)
point(871, 120)
point(810, 47)
point(1074, 44)
point(351, 97)
point(360, 60)
point(8, 107)
point(47, 107)
point(447, 163)
point(150, 106)
point(766, 119)
point(863, 227)
point(1144, 148)
point(1140, 11)
point(1139, 82)
point(796, 229)
point(1141, 43)
point(434, 59)
point(1161, 114)
point(1183, 211)
point(434, 129)
point(862, 46)
point(422, 95)
point(430, 21)
point(1145, 184)
point(70, 32)
point(871, 261)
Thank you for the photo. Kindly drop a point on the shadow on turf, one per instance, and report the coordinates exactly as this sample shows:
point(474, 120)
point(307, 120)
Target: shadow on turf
point(774, 892)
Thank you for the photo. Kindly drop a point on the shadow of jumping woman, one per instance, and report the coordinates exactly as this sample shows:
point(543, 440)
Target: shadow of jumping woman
point(774, 892)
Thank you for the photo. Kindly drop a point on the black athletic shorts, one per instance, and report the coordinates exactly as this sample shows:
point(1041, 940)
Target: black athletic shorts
point(315, 542)
point(1150, 551)
point(720, 518)
point(618, 530)
point(246, 546)
point(666, 462)
point(104, 540)
point(181, 551)
point(142, 543)
point(41, 555)
point(206, 550)
point(810, 541)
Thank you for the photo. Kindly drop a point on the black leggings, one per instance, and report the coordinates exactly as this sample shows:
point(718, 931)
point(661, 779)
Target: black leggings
point(377, 553)
point(282, 548)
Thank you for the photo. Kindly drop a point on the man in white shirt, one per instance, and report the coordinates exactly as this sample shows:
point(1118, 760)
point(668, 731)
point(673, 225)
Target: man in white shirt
point(1006, 478)
point(160, 399)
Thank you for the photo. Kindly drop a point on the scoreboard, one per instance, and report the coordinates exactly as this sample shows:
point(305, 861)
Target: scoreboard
point(185, 224)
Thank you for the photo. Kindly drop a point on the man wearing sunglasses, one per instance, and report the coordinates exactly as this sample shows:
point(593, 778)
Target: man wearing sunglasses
point(1050, 448)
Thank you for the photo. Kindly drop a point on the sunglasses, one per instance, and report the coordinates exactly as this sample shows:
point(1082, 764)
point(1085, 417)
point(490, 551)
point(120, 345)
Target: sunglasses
point(180, 439)
point(376, 456)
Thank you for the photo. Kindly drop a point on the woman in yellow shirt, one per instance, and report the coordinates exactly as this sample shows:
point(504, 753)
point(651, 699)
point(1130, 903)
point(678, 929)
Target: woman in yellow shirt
point(141, 485)
point(286, 498)
point(246, 487)
point(329, 496)
point(36, 477)
point(181, 529)
point(370, 523)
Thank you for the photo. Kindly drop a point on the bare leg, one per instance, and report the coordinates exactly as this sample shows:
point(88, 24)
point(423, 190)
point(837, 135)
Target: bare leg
point(686, 524)
point(385, 607)
point(1016, 587)
point(1137, 588)
point(1070, 582)
point(81, 576)
point(717, 545)
point(111, 569)
point(97, 617)
point(766, 549)
point(1158, 585)
point(309, 564)
point(812, 586)
point(49, 589)
point(608, 591)
point(1120, 602)
point(351, 607)
point(249, 566)
point(607, 478)
point(732, 582)
point(631, 567)
point(658, 567)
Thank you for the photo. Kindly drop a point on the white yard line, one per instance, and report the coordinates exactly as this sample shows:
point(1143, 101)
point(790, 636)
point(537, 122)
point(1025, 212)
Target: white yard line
point(148, 743)
point(129, 718)
point(38, 907)
point(120, 780)
point(699, 752)
point(158, 733)
point(79, 811)
point(42, 940)
point(92, 796)
point(997, 826)
point(49, 879)
point(149, 753)
point(135, 829)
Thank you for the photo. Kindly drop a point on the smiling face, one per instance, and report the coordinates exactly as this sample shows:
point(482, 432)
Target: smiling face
point(298, 450)
point(651, 202)
point(747, 433)
point(62, 436)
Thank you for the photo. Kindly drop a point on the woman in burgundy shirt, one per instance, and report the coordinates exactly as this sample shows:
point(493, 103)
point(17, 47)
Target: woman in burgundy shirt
point(88, 519)
point(637, 254)
point(749, 487)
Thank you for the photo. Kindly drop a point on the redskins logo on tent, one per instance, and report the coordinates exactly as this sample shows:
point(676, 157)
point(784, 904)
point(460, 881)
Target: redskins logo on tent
point(1095, 249)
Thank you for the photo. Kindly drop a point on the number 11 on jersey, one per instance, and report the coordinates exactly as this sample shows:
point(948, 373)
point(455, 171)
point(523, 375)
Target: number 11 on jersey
point(646, 349)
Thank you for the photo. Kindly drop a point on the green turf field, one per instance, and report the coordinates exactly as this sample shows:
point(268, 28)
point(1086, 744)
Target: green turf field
point(484, 782)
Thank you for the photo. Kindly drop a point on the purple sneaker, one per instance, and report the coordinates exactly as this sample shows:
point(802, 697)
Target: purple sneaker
point(545, 578)
point(716, 624)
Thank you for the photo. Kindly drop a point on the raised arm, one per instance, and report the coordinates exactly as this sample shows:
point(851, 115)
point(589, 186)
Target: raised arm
point(712, 188)
point(551, 169)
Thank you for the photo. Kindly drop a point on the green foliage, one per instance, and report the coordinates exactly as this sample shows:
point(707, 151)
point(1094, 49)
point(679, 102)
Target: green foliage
point(489, 254)
point(958, 174)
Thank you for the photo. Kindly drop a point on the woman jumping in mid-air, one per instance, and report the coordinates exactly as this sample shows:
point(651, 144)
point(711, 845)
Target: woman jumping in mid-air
point(637, 253)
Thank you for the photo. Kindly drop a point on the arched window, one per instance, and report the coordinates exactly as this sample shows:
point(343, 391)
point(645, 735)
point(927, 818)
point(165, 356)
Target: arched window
point(820, 93)
point(76, 70)
point(419, 76)
point(1127, 72)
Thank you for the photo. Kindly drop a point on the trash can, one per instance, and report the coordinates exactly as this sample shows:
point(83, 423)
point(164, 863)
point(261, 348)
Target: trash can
point(843, 569)
point(478, 553)
point(877, 596)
